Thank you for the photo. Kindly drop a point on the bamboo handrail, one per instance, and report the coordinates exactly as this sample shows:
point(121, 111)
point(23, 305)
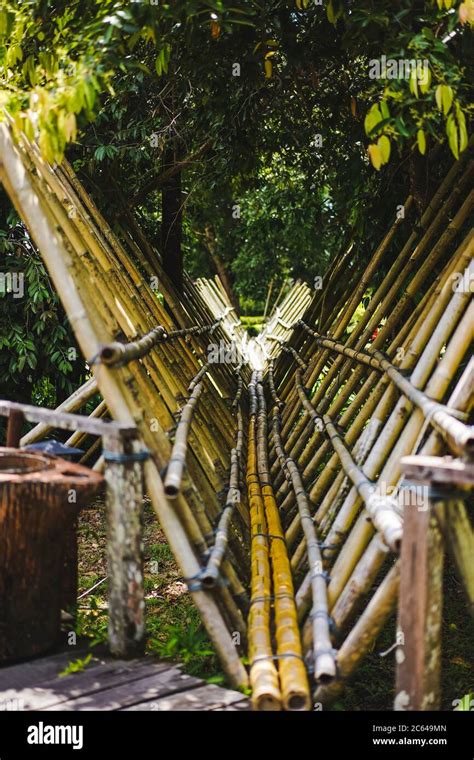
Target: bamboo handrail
point(460, 437)
point(122, 353)
point(323, 653)
point(175, 467)
point(211, 573)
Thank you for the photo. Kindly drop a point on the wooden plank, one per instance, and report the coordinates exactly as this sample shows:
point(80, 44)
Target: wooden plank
point(438, 469)
point(66, 420)
point(98, 676)
point(36, 671)
point(15, 424)
point(149, 688)
point(419, 611)
point(243, 706)
point(204, 698)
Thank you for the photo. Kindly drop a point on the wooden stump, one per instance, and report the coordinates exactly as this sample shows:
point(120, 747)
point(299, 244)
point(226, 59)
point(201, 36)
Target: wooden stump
point(40, 497)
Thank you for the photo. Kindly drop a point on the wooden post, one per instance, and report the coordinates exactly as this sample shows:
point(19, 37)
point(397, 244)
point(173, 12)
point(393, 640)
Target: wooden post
point(419, 611)
point(421, 581)
point(70, 570)
point(124, 546)
point(15, 424)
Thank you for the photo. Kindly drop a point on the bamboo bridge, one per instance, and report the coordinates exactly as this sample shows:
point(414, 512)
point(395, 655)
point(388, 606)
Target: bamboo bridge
point(310, 484)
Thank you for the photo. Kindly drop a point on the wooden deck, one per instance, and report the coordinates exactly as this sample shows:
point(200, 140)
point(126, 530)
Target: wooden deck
point(109, 684)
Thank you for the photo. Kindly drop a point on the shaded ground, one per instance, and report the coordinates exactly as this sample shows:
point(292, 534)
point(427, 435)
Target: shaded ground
point(175, 632)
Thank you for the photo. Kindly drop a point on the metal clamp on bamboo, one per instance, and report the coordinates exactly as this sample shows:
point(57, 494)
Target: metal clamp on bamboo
point(175, 468)
point(325, 669)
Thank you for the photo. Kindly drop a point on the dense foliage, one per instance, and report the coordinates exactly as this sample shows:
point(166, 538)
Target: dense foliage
point(39, 359)
point(257, 139)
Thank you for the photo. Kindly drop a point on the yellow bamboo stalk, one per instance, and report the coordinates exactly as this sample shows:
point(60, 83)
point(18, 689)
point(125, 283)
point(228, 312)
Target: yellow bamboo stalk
point(266, 694)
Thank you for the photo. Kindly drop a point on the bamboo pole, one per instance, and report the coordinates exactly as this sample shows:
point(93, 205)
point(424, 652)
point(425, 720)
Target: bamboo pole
point(63, 270)
point(293, 679)
point(323, 653)
point(266, 694)
point(175, 468)
point(211, 573)
point(74, 402)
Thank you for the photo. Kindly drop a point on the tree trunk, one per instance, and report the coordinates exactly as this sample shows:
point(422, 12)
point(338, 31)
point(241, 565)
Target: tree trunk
point(172, 221)
point(417, 168)
point(221, 268)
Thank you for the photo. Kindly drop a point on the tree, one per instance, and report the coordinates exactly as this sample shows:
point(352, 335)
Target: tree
point(208, 103)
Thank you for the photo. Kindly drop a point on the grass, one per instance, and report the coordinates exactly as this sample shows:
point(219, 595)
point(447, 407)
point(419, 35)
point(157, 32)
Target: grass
point(373, 685)
point(253, 325)
point(174, 630)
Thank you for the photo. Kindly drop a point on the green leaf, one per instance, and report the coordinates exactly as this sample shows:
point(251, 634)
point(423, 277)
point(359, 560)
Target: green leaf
point(461, 121)
point(375, 156)
point(421, 140)
point(384, 109)
point(444, 97)
point(372, 118)
point(425, 81)
point(384, 147)
point(401, 128)
point(452, 134)
point(447, 97)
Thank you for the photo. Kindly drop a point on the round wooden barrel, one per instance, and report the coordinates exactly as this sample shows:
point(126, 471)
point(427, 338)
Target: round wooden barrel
point(40, 497)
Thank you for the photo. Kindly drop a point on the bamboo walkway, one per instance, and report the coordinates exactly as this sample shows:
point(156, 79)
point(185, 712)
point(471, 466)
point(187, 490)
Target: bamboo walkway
point(308, 482)
point(109, 684)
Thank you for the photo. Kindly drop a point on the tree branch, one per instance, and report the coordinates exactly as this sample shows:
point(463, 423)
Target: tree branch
point(155, 182)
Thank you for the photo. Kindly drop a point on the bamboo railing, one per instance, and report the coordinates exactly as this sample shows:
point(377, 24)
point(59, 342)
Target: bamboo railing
point(292, 560)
